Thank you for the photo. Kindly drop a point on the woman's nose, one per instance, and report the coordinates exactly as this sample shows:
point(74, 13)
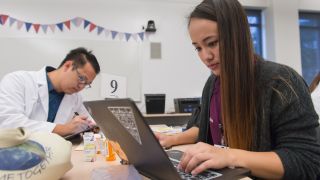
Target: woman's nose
point(208, 55)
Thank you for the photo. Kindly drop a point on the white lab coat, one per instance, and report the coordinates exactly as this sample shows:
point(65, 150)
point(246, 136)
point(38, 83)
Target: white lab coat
point(24, 102)
point(315, 95)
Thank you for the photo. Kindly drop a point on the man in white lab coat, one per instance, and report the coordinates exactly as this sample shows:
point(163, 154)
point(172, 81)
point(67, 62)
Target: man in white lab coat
point(48, 100)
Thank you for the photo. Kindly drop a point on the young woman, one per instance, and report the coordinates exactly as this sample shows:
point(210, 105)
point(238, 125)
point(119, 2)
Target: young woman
point(261, 110)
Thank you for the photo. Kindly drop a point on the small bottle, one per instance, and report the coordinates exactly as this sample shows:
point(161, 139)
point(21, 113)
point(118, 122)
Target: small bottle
point(103, 146)
point(89, 147)
point(98, 141)
point(111, 156)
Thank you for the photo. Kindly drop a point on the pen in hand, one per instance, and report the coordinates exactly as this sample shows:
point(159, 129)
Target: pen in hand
point(76, 114)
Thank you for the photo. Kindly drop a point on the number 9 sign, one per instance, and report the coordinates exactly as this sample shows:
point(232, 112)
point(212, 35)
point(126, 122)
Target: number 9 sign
point(113, 86)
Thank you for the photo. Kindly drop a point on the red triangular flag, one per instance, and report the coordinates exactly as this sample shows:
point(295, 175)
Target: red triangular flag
point(36, 27)
point(67, 24)
point(4, 19)
point(92, 27)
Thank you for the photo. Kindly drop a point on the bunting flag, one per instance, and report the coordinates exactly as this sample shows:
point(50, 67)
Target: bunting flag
point(67, 24)
point(141, 35)
point(36, 27)
point(76, 22)
point(128, 35)
point(121, 36)
point(86, 23)
point(114, 34)
point(135, 36)
point(3, 19)
point(92, 27)
point(100, 29)
point(52, 27)
point(19, 25)
point(11, 21)
point(28, 26)
point(60, 26)
point(106, 32)
point(44, 28)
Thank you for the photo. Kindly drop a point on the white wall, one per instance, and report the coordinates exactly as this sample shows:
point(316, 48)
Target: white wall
point(179, 73)
point(254, 3)
point(282, 33)
point(311, 5)
point(281, 29)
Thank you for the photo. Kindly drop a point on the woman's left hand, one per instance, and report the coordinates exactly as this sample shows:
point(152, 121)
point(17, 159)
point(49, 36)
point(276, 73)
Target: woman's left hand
point(166, 141)
point(202, 156)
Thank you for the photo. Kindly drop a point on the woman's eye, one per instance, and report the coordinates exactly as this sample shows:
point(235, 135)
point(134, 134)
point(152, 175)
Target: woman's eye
point(213, 43)
point(197, 49)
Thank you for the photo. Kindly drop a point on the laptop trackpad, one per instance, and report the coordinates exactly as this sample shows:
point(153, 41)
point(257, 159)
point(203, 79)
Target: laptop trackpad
point(174, 154)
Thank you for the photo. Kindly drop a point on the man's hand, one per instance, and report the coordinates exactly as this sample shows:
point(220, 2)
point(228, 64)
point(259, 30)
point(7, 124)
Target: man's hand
point(77, 124)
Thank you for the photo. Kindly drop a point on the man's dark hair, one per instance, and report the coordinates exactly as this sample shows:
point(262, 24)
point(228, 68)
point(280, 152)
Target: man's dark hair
point(80, 56)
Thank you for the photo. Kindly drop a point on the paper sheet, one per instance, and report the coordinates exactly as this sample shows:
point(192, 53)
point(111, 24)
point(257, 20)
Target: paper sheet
point(162, 128)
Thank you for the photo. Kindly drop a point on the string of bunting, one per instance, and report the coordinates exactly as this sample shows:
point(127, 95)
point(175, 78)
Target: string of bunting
point(66, 25)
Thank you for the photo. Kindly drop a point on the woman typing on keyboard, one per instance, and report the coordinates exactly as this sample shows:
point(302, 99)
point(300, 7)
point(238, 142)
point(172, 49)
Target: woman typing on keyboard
point(261, 110)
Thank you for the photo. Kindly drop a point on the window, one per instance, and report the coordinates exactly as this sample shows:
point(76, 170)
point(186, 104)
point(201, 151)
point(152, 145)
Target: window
point(254, 19)
point(310, 44)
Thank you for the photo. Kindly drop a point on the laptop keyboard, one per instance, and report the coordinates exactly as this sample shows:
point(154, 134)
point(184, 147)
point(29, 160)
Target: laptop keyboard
point(206, 175)
point(174, 155)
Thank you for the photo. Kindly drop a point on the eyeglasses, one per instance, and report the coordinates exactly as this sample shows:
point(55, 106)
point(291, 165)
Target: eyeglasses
point(83, 80)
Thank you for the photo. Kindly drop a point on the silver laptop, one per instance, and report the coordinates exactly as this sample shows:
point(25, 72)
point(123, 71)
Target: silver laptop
point(122, 122)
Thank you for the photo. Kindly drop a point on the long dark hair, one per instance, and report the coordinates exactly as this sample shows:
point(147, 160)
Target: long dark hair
point(315, 82)
point(237, 74)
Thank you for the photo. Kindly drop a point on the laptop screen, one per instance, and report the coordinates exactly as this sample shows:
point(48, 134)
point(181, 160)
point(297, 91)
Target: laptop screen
point(121, 121)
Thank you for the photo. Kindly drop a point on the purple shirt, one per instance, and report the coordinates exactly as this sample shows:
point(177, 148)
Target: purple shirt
point(215, 114)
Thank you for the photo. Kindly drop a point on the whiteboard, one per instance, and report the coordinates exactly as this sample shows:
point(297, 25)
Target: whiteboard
point(115, 57)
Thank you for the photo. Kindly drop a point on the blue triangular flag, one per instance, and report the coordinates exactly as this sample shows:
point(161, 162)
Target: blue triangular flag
point(28, 26)
point(100, 29)
point(60, 26)
point(141, 34)
point(86, 23)
point(114, 34)
point(128, 35)
point(0, 20)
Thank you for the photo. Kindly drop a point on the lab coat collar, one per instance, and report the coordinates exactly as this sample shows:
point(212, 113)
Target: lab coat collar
point(41, 80)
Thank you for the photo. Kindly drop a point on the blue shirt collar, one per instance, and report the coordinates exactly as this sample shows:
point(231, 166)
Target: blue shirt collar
point(50, 85)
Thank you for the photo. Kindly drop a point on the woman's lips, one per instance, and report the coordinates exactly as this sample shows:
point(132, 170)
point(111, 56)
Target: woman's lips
point(213, 66)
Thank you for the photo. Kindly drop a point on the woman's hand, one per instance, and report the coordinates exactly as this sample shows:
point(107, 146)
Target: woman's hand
point(202, 156)
point(165, 140)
